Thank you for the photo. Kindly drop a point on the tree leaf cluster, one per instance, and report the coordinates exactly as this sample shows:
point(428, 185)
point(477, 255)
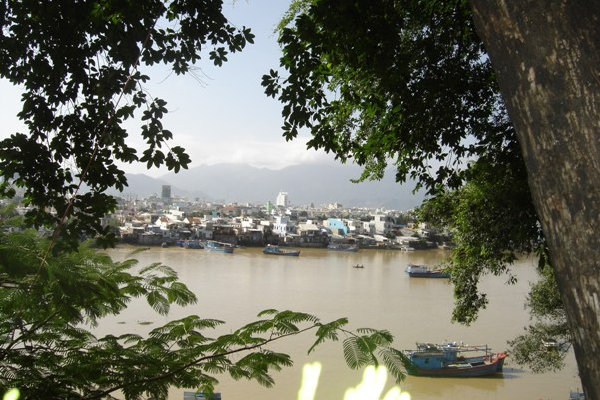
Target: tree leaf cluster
point(78, 65)
point(544, 344)
point(380, 81)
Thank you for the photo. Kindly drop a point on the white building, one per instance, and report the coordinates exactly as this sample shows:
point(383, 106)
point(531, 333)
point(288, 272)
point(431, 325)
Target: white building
point(383, 224)
point(282, 200)
point(283, 226)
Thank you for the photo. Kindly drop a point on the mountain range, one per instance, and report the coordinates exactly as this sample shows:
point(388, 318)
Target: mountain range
point(317, 183)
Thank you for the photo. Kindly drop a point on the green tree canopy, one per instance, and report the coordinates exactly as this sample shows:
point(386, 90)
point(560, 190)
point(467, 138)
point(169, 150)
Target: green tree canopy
point(78, 64)
point(410, 84)
point(381, 82)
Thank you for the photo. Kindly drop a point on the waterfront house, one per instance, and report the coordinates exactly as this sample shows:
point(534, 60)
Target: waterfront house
point(283, 226)
point(312, 235)
point(336, 225)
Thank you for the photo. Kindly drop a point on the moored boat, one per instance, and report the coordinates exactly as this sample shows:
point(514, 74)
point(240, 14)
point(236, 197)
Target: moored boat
point(422, 271)
point(190, 244)
point(343, 247)
point(213, 245)
point(453, 360)
point(276, 251)
point(576, 395)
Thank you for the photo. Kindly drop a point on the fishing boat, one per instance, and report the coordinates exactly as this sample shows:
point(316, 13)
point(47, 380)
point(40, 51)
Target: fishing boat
point(213, 245)
point(576, 395)
point(190, 244)
point(200, 396)
point(453, 360)
point(422, 271)
point(343, 247)
point(276, 251)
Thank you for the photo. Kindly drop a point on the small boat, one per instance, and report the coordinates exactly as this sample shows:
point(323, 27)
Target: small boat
point(358, 266)
point(200, 396)
point(213, 245)
point(576, 395)
point(190, 244)
point(343, 247)
point(276, 251)
point(422, 271)
point(451, 360)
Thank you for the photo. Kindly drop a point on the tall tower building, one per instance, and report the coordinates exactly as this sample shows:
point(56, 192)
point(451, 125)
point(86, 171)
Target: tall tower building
point(166, 194)
point(282, 200)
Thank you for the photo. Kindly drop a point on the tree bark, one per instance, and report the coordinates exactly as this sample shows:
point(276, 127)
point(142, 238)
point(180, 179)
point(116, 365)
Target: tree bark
point(546, 55)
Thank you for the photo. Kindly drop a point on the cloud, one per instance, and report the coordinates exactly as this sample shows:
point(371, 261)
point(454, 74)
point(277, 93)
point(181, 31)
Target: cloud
point(262, 154)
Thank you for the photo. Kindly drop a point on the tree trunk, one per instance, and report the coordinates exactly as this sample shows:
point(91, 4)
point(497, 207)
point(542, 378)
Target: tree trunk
point(547, 55)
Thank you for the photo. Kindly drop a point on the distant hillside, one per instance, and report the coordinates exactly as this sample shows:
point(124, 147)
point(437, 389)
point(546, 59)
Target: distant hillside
point(309, 183)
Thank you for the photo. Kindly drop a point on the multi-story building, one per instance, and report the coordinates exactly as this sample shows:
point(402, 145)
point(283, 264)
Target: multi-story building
point(283, 226)
point(383, 224)
point(166, 194)
point(283, 200)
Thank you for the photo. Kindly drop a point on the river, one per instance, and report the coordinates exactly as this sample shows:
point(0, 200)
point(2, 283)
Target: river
point(235, 287)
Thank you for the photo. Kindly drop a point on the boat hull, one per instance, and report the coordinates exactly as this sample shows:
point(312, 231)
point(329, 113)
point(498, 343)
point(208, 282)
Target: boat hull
point(428, 275)
point(218, 247)
point(275, 251)
point(351, 249)
point(420, 271)
point(221, 250)
point(463, 369)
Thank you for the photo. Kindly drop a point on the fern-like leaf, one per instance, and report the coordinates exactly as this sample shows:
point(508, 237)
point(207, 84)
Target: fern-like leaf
point(354, 353)
point(395, 361)
point(328, 331)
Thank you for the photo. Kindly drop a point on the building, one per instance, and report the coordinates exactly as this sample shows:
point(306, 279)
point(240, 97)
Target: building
point(282, 200)
point(166, 194)
point(383, 224)
point(336, 225)
point(283, 226)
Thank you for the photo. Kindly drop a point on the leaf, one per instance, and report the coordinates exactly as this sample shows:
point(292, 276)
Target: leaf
point(328, 331)
point(354, 353)
point(395, 361)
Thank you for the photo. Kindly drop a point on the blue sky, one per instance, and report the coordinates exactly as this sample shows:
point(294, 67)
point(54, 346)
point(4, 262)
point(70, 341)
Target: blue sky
point(224, 117)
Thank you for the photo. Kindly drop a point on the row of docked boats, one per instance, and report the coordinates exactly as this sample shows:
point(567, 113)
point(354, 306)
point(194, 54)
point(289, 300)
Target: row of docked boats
point(213, 245)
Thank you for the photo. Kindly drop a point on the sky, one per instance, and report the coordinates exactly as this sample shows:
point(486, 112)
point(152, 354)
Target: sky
point(222, 115)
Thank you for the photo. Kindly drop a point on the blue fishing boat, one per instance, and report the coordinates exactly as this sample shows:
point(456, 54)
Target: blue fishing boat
point(422, 271)
point(453, 360)
point(213, 245)
point(276, 251)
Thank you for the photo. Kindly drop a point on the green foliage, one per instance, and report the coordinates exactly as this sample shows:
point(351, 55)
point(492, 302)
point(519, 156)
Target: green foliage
point(410, 84)
point(493, 222)
point(544, 344)
point(379, 81)
point(78, 65)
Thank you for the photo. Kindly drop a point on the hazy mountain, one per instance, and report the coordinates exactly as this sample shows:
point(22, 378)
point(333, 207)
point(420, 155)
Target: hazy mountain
point(309, 183)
